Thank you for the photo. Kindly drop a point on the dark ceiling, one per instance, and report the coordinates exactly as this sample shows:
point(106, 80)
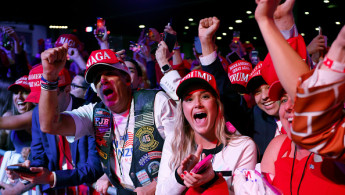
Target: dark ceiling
point(124, 17)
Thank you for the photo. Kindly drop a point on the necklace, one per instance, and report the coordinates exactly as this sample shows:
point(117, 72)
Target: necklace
point(117, 155)
point(293, 164)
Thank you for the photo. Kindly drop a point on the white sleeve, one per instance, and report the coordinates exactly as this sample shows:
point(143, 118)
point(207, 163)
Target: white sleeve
point(248, 158)
point(169, 83)
point(209, 59)
point(164, 111)
point(83, 119)
point(166, 182)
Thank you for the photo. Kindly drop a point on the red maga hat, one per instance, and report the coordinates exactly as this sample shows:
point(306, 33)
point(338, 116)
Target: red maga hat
point(34, 81)
point(238, 73)
point(102, 59)
point(196, 77)
point(70, 39)
point(21, 82)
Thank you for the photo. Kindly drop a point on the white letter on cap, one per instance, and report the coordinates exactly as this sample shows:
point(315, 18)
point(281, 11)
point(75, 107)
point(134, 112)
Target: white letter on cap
point(106, 56)
point(99, 56)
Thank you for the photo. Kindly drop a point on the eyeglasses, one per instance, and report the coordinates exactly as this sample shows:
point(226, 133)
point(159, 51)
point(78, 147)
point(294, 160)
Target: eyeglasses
point(77, 86)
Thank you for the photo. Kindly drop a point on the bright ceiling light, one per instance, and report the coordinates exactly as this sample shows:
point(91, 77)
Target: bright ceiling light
point(141, 26)
point(238, 21)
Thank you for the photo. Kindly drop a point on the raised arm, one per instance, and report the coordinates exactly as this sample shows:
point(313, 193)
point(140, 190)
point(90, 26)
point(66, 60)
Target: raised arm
point(51, 121)
point(287, 63)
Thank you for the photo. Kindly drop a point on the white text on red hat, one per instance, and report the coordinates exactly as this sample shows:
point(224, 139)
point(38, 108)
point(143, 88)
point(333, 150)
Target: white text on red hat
point(101, 55)
point(70, 42)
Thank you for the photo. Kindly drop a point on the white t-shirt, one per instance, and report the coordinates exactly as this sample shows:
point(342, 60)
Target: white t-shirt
point(239, 153)
point(164, 112)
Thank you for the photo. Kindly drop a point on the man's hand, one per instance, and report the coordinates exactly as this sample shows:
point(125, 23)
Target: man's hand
point(42, 176)
point(162, 54)
point(207, 28)
point(147, 190)
point(13, 175)
point(102, 184)
point(53, 61)
point(317, 44)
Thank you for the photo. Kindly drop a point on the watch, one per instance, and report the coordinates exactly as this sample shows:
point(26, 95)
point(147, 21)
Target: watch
point(166, 68)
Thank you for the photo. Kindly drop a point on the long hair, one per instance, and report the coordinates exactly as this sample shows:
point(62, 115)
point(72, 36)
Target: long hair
point(183, 142)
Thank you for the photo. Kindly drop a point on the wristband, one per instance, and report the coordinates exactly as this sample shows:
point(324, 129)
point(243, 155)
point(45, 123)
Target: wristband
point(48, 85)
point(178, 178)
point(334, 65)
point(45, 81)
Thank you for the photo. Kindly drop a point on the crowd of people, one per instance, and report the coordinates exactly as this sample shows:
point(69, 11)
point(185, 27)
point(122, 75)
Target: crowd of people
point(156, 123)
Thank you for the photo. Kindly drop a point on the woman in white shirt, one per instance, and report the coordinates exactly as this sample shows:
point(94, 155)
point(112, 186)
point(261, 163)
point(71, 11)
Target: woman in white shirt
point(200, 128)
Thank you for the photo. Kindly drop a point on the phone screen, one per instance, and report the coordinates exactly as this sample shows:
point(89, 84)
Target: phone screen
point(100, 31)
point(233, 57)
point(170, 40)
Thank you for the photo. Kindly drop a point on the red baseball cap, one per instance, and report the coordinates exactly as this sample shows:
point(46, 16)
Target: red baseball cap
point(196, 77)
point(21, 82)
point(238, 73)
point(269, 73)
point(101, 59)
point(70, 39)
point(34, 81)
point(255, 79)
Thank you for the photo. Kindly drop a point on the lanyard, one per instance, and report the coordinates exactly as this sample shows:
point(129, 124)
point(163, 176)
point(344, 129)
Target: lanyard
point(119, 155)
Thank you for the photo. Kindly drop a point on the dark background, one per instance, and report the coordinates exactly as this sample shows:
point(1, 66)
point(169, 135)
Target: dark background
point(124, 17)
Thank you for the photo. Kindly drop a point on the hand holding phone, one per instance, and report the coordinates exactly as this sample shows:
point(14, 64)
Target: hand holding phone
point(20, 169)
point(100, 27)
point(202, 165)
point(170, 40)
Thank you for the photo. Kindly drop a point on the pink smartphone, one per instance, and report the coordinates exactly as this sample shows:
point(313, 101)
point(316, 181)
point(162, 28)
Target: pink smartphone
point(202, 165)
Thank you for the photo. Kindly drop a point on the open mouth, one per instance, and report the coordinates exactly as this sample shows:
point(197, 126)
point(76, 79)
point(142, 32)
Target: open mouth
point(107, 92)
point(200, 117)
point(290, 119)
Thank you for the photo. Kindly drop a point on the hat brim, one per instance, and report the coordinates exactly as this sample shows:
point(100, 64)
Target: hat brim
point(33, 97)
point(94, 69)
point(14, 86)
point(276, 91)
point(254, 83)
point(183, 87)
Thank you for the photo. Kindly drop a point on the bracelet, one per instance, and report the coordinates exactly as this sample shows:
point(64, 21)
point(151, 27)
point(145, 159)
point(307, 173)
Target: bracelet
point(334, 65)
point(45, 81)
point(48, 85)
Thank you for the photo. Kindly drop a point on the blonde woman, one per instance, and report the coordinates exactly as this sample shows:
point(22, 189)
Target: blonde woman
point(200, 129)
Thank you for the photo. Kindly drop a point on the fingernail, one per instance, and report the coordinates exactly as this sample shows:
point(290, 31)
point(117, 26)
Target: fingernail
point(185, 172)
point(191, 173)
point(182, 175)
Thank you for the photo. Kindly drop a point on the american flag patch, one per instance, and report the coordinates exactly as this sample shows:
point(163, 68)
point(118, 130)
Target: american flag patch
point(144, 120)
point(129, 141)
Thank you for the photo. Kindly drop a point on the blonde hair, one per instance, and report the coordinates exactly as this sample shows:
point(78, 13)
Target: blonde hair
point(183, 142)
